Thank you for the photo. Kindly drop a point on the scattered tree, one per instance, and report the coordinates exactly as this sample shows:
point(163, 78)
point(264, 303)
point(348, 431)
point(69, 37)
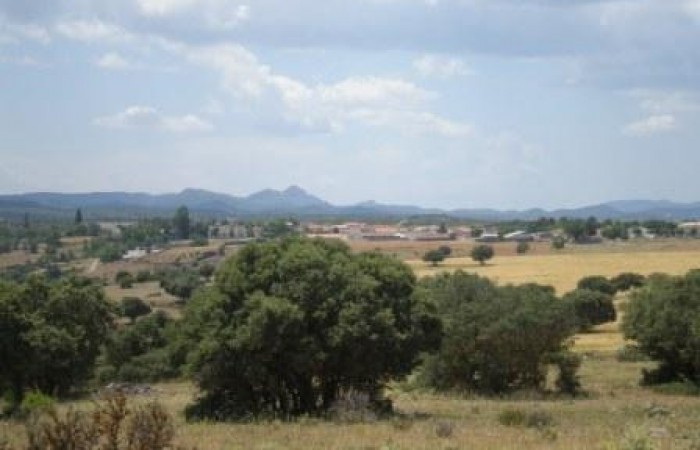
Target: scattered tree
point(496, 339)
point(591, 307)
point(522, 248)
point(627, 280)
point(181, 223)
point(663, 317)
point(78, 217)
point(291, 326)
point(482, 253)
point(597, 283)
point(124, 279)
point(434, 257)
point(133, 307)
point(558, 242)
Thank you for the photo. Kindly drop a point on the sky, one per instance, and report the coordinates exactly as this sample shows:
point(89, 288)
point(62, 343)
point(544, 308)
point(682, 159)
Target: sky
point(440, 103)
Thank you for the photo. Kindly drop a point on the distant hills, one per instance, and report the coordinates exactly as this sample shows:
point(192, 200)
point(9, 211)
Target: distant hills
point(294, 201)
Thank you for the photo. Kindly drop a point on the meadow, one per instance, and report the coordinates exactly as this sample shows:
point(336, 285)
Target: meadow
point(613, 413)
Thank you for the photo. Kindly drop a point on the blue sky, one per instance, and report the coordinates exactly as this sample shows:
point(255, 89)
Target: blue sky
point(446, 103)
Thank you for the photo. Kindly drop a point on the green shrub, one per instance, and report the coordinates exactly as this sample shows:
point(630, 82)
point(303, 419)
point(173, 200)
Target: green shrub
point(522, 248)
point(597, 283)
point(511, 417)
point(133, 307)
point(496, 339)
point(627, 280)
point(663, 319)
point(35, 402)
point(143, 276)
point(591, 307)
point(630, 353)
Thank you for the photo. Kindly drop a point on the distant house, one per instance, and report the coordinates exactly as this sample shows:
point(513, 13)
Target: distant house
point(519, 236)
point(488, 237)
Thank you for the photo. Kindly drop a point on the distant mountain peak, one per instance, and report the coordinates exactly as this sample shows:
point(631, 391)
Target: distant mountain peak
point(294, 190)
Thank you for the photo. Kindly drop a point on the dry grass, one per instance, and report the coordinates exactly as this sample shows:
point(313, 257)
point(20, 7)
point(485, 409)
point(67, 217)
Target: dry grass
point(614, 403)
point(563, 270)
point(149, 292)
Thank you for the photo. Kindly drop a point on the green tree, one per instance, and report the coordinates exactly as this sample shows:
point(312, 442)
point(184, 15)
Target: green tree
point(180, 282)
point(482, 253)
point(133, 307)
point(558, 242)
point(627, 280)
point(496, 339)
point(50, 334)
point(522, 248)
point(124, 279)
point(78, 217)
point(597, 283)
point(181, 223)
point(290, 326)
point(591, 307)
point(664, 317)
point(434, 257)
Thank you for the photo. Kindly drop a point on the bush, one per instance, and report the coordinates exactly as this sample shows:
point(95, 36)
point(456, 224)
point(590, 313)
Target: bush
point(522, 248)
point(496, 339)
point(591, 307)
point(143, 276)
point(124, 279)
point(180, 282)
point(663, 317)
point(305, 322)
point(630, 353)
point(558, 242)
point(113, 425)
point(597, 283)
point(482, 253)
point(35, 402)
point(627, 280)
point(511, 417)
point(434, 257)
point(133, 307)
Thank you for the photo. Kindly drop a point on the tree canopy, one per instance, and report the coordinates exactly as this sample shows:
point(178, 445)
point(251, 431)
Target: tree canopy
point(291, 326)
point(50, 334)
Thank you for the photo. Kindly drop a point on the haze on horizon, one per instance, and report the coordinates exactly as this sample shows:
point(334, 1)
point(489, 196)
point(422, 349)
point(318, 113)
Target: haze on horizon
point(440, 103)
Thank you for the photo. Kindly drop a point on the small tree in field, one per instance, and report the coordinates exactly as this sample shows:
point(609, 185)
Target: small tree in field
point(434, 257)
point(482, 253)
point(591, 307)
point(133, 307)
point(522, 248)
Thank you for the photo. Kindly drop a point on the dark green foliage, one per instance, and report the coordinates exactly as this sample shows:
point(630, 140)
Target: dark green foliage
point(496, 339)
point(445, 250)
point(180, 282)
point(50, 334)
point(558, 242)
point(522, 248)
point(482, 253)
point(591, 307)
point(627, 280)
point(78, 217)
point(615, 230)
point(291, 326)
point(568, 364)
point(279, 228)
point(597, 283)
point(143, 276)
point(140, 352)
point(434, 257)
point(181, 223)
point(206, 270)
point(663, 317)
point(124, 279)
point(133, 307)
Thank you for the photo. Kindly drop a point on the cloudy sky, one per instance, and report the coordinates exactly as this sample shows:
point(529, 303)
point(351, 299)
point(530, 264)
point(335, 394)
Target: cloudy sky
point(448, 103)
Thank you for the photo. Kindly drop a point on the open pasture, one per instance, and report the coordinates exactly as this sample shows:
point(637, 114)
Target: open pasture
point(563, 270)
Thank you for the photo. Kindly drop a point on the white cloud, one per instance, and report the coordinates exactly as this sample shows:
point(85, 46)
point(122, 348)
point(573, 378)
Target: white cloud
point(113, 61)
point(94, 30)
point(651, 125)
point(146, 117)
point(11, 32)
point(217, 14)
point(440, 66)
point(664, 102)
point(376, 101)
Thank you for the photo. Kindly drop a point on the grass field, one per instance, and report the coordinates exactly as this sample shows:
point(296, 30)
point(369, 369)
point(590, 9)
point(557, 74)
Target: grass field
point(615, 412)
point(563, 270)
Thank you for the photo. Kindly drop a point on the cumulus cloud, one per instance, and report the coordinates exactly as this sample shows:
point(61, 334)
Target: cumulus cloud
point(371, 100)
point(651, 125)
point(440, 66)
point(217, 14)
point(113, 61)
point(146, 117)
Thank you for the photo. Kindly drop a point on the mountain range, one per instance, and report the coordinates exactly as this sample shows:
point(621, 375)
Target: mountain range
point(296, 202)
